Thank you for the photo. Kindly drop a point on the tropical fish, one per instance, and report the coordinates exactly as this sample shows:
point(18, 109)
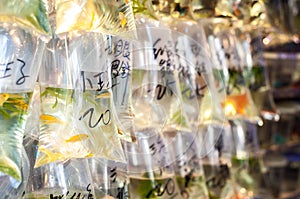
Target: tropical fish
point(89, 155)
point(49, 119)
point(49, 157)
point(78, 137)
point(23, 107)
point(103, 95)
point(120, 132)
point(3, 98)
point(123, 19)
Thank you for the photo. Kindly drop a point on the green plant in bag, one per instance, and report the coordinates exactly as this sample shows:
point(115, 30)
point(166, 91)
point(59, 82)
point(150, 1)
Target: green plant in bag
point(13, 113)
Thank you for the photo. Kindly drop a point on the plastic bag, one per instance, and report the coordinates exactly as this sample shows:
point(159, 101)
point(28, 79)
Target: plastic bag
point(195, 51)
point(119, 55)
point(20, 62)
point(111, 17)
point(239, 102)
point(69, 179)
point(156, 95)
point(110, 179)
point(30, 14)
point(76, 118)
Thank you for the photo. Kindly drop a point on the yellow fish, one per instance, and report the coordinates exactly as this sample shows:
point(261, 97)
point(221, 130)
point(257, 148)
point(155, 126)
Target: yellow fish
point(23, 107)
point(89, 155)
point(49, 119)
point(123, 19)
point(78, 137)
point(3, 98)
point(103, 95)
point(120, 131)
point(49, 157)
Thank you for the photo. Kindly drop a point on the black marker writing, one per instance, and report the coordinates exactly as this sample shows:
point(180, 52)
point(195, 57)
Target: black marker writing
point(104, 117)
point(160, 189)
point(8, 67)
point(164, 54)
point(75, 195)
point(113, 174)
point(122, 193)
point(161, 89)
point(21, 80)
point(220, 179)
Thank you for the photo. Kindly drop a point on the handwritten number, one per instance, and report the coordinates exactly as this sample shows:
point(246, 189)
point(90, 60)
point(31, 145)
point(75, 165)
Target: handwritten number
point(168, 188)
point(21, 80)
point(101, 118)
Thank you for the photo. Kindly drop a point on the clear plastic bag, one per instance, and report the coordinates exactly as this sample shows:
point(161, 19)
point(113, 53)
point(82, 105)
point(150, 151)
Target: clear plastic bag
point(156, 94)
point(111, 17)
point(69, 179)
point(30, 14)
point(110, 179)
point(192, 46)
point(119, 54)
point(20, 62)
point(76, 118)
point(239, 102)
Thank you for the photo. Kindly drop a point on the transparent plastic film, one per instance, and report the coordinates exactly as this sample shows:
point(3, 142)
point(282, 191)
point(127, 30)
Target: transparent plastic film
point(187, 74)
point(110, 179)
point(119, 54)
point(191, 46)
point(151, 175)
point(246, 162)
point(77, 119)
point(68, 179)
point(155, 84)
point(211, 27)
point(31, 15)
point(255, 73)
point(20, 61)
point(188, 164)
point(216, 164)
point(97, 106)
point(111, 17)
point(239, 102)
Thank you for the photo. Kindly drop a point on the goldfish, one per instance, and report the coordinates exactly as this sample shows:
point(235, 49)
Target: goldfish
point(49, 119)
point(77, 138)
